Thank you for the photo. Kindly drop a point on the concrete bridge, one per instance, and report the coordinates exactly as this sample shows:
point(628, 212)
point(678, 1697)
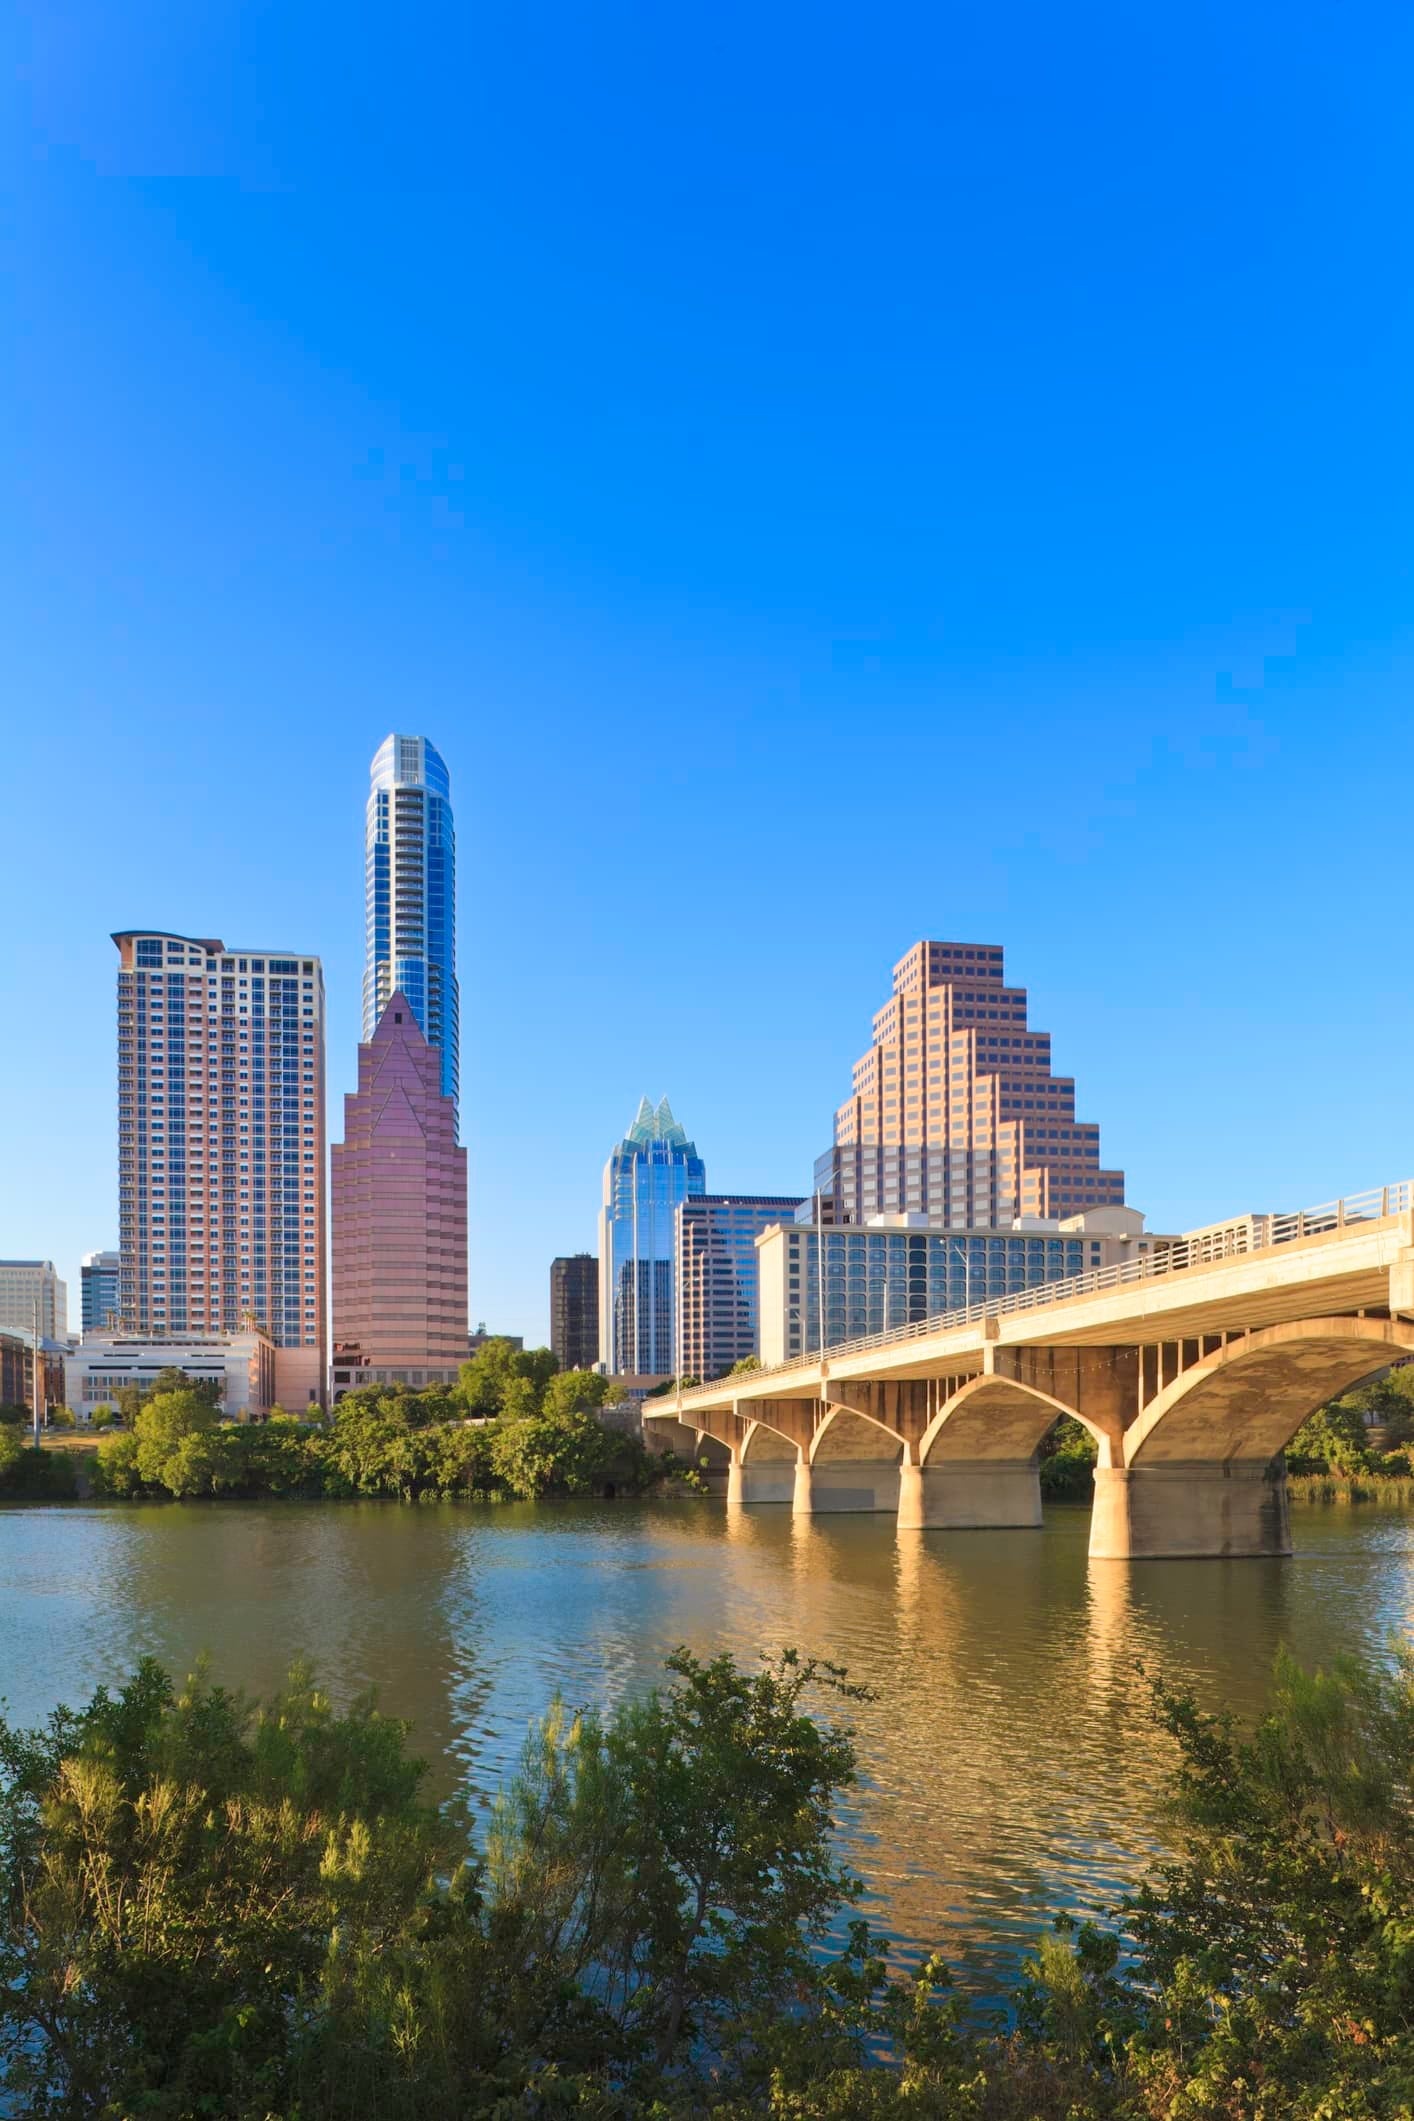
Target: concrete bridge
point(1192, 1368)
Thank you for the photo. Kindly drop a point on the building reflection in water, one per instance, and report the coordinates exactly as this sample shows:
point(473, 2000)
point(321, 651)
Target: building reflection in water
point(1010, 1763)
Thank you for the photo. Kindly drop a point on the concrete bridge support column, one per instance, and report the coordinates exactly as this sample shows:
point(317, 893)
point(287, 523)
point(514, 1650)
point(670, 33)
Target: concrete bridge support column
point(983, 1494)
point(1205, 1507)
point(736, 1482)
point(850, 1485)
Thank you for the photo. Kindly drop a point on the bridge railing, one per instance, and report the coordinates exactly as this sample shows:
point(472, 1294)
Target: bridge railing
point(1231, 1240)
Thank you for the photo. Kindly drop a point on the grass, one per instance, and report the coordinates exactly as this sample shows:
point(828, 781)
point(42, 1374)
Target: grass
point(1351, 1487)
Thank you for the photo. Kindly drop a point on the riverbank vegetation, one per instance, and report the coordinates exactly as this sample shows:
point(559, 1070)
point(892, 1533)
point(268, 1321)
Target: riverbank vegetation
point(513, 1425)
point(212, 1907)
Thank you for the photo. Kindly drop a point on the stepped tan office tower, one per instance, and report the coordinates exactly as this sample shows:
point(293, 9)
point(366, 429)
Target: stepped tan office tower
point(955, 1113)
point(221, 1147)
point(399, 1216)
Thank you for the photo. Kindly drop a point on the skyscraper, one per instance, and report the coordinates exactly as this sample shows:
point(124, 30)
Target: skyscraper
point(221, 1146)
point(99, 1274)
point(30, 1290)
point(574, 1311)
point(718, 1278)
point(653, 1168)
point(399, 1216)
point(410, 891)
point(954, 1111)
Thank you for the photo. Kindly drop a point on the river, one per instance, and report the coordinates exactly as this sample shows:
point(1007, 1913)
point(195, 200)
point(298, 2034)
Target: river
point(1010, 1767)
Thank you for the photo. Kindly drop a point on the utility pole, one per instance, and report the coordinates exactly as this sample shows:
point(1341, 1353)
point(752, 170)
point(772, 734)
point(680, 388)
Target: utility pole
point(37, 1374)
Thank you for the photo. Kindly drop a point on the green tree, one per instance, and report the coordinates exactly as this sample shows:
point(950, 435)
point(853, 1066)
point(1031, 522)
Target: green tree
point(173, 1380)
point(1335, 1437)
point(485, 1382)
point(567, 1453)
point(678, 1859)
point(165, 1423)
point(574, 1392)
point(12, 1450)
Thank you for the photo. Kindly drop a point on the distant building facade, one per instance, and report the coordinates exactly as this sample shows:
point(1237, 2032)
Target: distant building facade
point(18, 1357)
point(476, 1341)
point(574, 1310)
point(410, 896)
point(398, 1214)
point(32, 1291)
point(717, 1277)
point(650, 1173)
point(221, 1188)
point(99, 1277)
point(898, 1270)
point(954, 1112)
point(242, 1365)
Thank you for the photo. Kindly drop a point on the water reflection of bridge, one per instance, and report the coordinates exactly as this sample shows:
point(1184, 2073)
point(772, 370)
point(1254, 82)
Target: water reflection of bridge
point(1191, 1368)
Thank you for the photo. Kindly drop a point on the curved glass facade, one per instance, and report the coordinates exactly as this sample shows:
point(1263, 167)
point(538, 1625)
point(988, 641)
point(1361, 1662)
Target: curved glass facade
point(410, 895)
point(653, 1169)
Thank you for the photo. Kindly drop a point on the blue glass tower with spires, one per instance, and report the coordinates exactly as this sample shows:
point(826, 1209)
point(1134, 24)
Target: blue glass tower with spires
point(651, 1171)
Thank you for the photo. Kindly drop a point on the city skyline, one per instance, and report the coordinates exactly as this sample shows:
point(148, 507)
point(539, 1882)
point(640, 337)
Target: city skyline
point(983, 518)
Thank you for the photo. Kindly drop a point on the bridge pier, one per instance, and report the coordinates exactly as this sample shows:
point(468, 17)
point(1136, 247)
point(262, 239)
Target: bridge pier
point(765, 1480)
point(1232, 1507)
point(848, 1485)
point(969, 1495)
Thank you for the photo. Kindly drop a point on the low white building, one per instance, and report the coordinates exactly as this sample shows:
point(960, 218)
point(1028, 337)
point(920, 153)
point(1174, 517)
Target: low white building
point(242, 1364)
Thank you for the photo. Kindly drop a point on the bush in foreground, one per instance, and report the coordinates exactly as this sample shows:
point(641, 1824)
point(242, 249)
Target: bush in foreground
point(215, 1908)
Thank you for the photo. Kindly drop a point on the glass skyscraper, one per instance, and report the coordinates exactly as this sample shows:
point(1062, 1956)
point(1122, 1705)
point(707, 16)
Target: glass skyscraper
point(653, 1169)
point(410, 892)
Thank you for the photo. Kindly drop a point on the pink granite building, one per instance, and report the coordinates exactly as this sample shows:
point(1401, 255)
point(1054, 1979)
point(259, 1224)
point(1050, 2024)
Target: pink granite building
point(398, 1217)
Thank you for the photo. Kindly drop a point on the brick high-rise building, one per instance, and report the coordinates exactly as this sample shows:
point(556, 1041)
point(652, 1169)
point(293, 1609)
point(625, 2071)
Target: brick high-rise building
point(574, 1310)
point(399, 1215)
point(955, 1112)
point(221, 1146)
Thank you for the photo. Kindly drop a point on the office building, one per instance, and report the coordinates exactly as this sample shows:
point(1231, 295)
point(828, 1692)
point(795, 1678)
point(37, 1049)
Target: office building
point(574, 1311)
point(897, 1269)
point(954, 1111)
point(654, 1168)
point(410, 891)
point(717, 1286)
point(33, 1298)
point(221, 1197)
point(99, 1276)
point(398, 1215)
point(18, 1356)
point(242, 1365)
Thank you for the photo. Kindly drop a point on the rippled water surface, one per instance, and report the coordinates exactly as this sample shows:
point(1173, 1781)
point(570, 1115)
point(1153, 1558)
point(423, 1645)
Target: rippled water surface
point(1010, 1766)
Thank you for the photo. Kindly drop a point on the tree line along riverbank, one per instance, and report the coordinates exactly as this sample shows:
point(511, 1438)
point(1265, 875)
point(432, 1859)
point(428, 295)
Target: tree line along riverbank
point(515, 1425)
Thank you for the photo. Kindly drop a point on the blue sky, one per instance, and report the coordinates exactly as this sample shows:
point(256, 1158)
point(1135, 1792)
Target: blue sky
point(821, 477)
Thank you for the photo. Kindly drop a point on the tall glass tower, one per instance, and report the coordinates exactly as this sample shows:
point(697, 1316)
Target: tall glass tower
point(410, 891)
point(653, 1168)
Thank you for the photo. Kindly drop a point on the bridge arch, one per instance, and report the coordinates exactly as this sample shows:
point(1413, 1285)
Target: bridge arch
point(1247, 1400)
point(763, 1445)
point(847, 1433)
point(994, 1417)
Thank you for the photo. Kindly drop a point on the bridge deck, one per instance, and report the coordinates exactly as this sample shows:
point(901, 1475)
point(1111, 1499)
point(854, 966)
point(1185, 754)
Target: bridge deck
point(1337, 1271)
